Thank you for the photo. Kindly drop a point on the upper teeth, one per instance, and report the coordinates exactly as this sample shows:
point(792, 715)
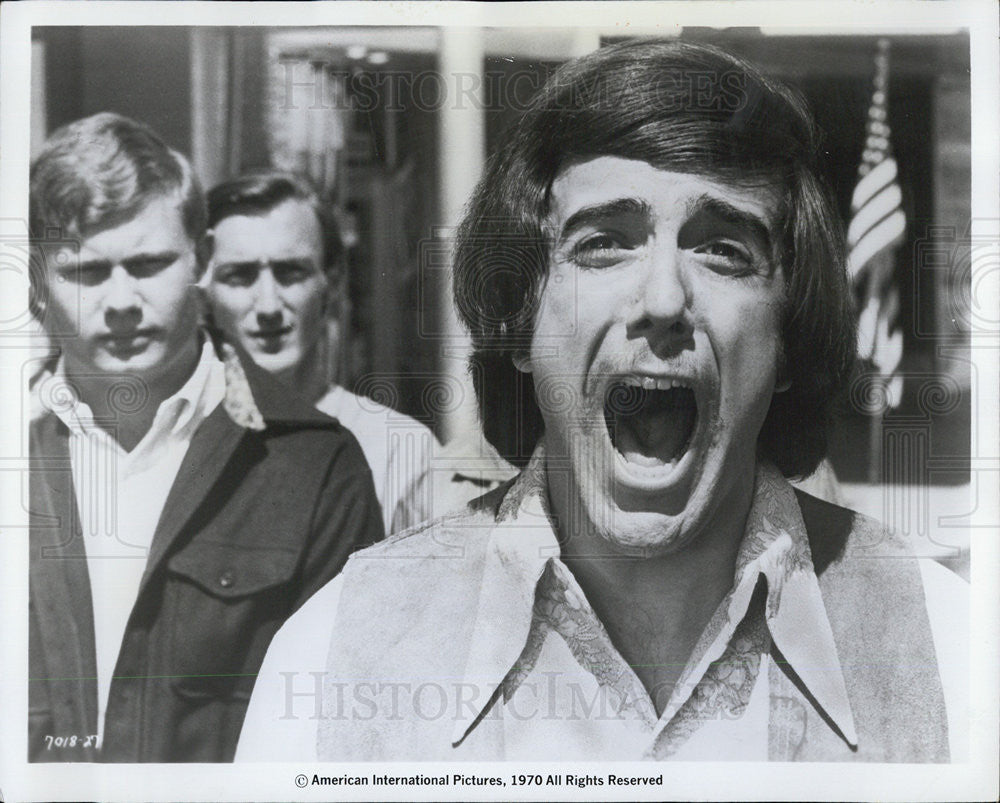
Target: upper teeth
point(652, 383)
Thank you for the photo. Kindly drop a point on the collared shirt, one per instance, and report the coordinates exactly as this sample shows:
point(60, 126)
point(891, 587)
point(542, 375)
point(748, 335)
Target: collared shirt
point(120, 494)
point(540, 661)
point(397, 448)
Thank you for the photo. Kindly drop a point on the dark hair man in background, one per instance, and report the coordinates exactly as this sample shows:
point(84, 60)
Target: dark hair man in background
point(184, 502)
point(654, 280)
point(277, 255)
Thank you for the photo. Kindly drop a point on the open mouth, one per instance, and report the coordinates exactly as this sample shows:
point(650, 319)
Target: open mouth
point(650, 421)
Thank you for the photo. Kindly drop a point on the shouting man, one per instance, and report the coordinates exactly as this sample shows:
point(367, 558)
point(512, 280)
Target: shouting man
point(653, 277)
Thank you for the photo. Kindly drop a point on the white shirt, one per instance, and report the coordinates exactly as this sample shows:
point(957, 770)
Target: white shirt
point(120, 495)
point(398, 449)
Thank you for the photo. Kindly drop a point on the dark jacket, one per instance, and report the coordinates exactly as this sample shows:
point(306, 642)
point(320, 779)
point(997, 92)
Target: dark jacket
point(271, 498)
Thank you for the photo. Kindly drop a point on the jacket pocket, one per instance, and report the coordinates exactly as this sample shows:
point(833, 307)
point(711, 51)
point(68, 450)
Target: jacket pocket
point(228, 571)
point(227, 602)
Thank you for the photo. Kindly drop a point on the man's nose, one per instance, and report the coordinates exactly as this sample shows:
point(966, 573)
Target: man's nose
point(122, 297)
point(267, 303)
point(662, 302)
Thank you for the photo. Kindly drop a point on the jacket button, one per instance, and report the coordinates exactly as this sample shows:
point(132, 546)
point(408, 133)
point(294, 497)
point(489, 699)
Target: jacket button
point(226, 579)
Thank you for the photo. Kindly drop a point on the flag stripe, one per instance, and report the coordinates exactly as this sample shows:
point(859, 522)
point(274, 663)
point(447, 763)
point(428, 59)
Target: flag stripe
point(885, 234)
point(875, 180)
point(866, 329)
point(872, 212)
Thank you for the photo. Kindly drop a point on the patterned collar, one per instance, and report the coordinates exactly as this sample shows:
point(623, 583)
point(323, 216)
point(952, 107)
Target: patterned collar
point(524, 578)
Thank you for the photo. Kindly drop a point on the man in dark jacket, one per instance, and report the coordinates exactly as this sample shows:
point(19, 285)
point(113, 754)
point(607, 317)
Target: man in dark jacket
point(183, 504)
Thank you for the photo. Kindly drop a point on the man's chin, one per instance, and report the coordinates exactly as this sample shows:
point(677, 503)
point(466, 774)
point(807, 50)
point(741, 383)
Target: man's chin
point(278, 363)
point(134, 362)
point(155, 362)
point(647, 534)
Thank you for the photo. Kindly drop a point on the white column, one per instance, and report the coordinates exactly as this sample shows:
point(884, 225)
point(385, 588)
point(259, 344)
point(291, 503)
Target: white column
point(209, 104)
point(462, 152)
point(39, 112)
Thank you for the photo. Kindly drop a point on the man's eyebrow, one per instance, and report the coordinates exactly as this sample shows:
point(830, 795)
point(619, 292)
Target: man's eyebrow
point(753, 224)
point(86, 264)
point(152, 256)
point(596, 213)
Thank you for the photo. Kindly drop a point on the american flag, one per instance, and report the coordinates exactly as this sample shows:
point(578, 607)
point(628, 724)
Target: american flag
point(877, 226)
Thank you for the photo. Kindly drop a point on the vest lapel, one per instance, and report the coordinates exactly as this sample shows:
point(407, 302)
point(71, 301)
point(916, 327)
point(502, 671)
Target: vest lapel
point(63, 662)
point(888, 659)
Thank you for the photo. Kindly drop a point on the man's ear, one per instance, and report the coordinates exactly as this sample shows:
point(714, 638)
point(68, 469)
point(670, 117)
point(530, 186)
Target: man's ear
point(203, 251)
point(522, 362)
point(38, 290)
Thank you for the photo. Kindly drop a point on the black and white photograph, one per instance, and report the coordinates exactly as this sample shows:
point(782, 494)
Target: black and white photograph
point(559, 400)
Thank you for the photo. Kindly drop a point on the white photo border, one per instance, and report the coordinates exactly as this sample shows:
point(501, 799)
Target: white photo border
point(705, 780)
